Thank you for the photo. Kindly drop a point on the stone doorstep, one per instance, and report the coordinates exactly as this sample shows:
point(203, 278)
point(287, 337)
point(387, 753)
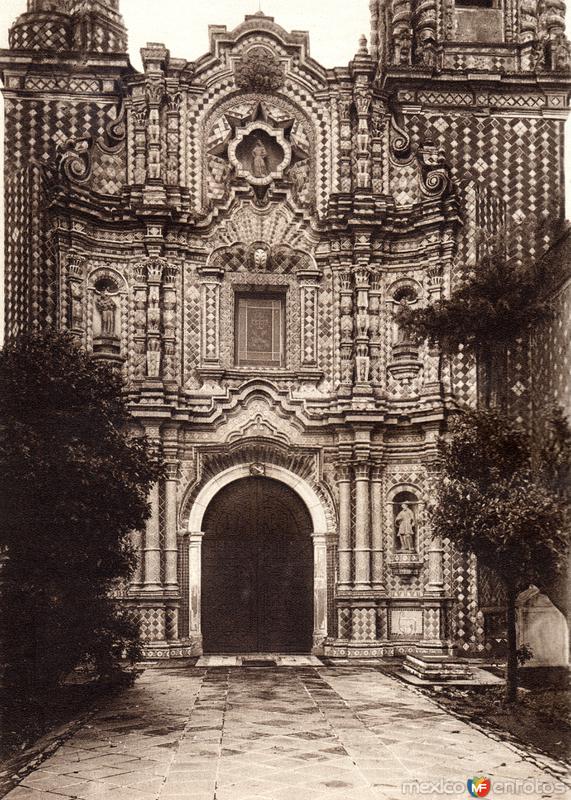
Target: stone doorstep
point(438, 668)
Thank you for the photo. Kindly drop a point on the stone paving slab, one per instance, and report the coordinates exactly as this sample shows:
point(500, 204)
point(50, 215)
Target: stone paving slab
point(297, 733)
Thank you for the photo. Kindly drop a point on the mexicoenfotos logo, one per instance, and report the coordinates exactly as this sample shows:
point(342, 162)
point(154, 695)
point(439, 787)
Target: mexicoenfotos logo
point(479, 787)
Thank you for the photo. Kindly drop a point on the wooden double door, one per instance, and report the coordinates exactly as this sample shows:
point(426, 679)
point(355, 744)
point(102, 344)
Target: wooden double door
point(257, 570)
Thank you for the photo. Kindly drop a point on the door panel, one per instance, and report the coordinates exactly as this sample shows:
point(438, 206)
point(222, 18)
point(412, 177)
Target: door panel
point(257, 570)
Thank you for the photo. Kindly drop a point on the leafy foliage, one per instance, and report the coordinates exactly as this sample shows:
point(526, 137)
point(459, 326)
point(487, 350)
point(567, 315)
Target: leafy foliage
point(74, 486)
point(499, 300)
point(490, 503)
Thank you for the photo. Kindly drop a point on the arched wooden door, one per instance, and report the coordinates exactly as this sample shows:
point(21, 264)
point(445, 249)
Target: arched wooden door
point(257, 570)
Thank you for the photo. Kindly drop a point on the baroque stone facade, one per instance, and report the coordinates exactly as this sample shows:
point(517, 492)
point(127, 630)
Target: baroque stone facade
point(237, 233)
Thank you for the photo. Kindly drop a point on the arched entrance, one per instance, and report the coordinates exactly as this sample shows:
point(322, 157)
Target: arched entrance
point(257, 569)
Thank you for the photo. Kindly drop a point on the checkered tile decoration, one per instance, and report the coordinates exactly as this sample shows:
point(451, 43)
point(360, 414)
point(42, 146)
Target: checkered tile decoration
point(183, 582)
point(344, 623)
point(331, 581)
point(171, 623)
point(34, 127)
point(326, 331)
point(191, 329)
point(108, 172)
point(551, 360)
point(517, 160)
point(162, 528)
point(152, 624)
point(363, 624)
point(42, 32)
point(30, 284)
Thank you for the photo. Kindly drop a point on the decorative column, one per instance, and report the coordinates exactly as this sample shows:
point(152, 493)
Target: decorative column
point(75, 299)
point(169, 317)
point(174, 99)
point(210, 302)
point(345, 142)
point(346, 332)
point(170, 442)
point(195, 586)
point(152, 552)
point(139, 356)
point(137, 538)
point(154, 92)
point(319, 590)
point(435, 567)
point(308, 279)
point(140, 118)
point(154, 275)
point(432, 383)
point(375, 329)
point(344, 551)
point(377, 529)
point(362, 526)
point(362, 358)
point(362, 100)
point(154, 57)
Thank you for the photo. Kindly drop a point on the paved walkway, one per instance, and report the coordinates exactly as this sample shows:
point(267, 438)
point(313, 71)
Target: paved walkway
point(307, 733)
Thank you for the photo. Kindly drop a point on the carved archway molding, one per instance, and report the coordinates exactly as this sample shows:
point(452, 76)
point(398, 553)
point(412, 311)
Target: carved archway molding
point(299, 485)
point(321, 529)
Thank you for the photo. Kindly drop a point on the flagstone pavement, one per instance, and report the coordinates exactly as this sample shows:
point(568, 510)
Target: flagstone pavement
point(300, 733)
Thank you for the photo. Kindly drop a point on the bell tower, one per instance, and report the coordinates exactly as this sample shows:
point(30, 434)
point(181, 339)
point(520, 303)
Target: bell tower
point(491, 35)
point(94, 26)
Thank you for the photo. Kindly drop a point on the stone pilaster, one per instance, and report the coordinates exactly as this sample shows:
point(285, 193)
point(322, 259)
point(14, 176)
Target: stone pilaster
point(309, 305)
point(362, 526)
point(345, 550)
point(171, 481)
point(362, 356)
point(319, 590)
point(154, 275)
point(211, 278)
point(194, 574)
point(137, 540)
point(346, 328)
point(377, 549)
point(152, 575)
point(140, 118)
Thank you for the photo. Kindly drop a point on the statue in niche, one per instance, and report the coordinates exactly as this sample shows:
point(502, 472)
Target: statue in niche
point(259, 160)
point(405, 525)
point(106, 307)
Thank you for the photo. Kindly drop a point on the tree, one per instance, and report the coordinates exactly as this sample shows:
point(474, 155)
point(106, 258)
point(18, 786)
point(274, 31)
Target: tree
point(498, 302)
point(490, 503)
point(74, 485)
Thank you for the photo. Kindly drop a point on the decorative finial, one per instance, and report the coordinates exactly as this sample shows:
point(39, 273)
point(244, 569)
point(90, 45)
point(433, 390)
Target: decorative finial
point(363, 49)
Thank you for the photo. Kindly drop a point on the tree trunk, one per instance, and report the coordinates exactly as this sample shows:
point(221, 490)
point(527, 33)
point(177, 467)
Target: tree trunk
point(511, 667)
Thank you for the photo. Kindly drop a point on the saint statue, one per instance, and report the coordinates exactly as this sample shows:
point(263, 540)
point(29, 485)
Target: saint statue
point(259, 160)
point(106, 307)
point(405, 523)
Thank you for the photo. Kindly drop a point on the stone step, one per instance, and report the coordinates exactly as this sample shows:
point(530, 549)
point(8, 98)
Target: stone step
point(440, 668)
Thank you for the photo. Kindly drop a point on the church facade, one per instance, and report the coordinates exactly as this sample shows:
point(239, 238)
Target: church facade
point(236, 234)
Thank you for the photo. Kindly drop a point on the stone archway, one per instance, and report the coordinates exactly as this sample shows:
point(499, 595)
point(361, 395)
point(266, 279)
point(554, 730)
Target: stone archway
point(319, 531)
